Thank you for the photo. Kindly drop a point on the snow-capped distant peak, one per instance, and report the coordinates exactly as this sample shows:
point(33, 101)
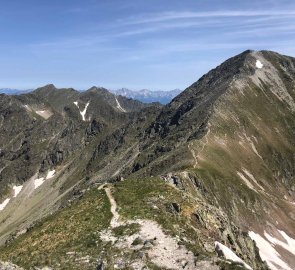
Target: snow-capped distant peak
point(259, 64)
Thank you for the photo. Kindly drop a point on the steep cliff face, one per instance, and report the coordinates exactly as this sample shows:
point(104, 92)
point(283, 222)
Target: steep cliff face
point(214, 169)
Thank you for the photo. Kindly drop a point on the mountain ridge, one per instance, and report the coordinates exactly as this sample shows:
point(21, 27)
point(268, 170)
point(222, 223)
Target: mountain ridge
point(144, 95)
point(217, 162)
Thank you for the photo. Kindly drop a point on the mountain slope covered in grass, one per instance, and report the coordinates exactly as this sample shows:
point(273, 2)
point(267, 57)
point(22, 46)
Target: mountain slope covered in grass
point(87, 175)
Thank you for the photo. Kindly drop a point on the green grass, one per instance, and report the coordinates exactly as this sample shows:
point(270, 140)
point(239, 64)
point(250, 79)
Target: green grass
point(74, 229)
point(126, 230)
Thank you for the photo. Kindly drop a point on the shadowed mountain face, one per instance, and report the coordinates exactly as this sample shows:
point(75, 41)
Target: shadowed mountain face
point(215, 168)
point(44, 128)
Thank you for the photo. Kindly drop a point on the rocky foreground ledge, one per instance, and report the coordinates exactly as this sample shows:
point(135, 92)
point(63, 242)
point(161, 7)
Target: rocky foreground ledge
point(9, 266)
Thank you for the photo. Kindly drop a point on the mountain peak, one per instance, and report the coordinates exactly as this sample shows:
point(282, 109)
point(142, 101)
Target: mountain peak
point(213, 168)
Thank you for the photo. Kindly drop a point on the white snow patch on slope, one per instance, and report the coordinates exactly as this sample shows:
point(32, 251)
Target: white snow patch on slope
point(270, 75)
point(50, 174)
point(17, 190)
point(246, 181)
point(252, 146)
point(119, 106)
point(44, 113)
point(289, 246)
point(259, 64)
point(3, 205)
point(38, 182)
point(250, 175)
point(254, 149)
point(229, 254)
point(268, 253)
point(83, 113)
point(249, 140)
point(28, 108)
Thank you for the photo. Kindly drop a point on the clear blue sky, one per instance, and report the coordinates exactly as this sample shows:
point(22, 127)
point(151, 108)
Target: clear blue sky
point(155, 44)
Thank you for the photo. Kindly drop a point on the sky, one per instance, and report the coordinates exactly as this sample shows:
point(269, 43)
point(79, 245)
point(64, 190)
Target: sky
point(151, 44)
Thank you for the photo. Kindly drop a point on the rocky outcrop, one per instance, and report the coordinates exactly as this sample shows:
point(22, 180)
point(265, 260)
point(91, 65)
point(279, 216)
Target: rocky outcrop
point(9, 266)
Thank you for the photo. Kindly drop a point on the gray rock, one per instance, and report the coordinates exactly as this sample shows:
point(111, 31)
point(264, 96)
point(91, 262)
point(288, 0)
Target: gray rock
point(9, 266)
point(100, 266)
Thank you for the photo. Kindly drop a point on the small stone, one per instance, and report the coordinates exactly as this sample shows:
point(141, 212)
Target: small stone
point(70, 253)
point(100, 266)
point(176, 207)
point(184, 263)
point(141, 255)
point(147, 244)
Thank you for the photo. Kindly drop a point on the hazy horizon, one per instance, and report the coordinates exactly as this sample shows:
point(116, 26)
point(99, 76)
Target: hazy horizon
point(134, 45)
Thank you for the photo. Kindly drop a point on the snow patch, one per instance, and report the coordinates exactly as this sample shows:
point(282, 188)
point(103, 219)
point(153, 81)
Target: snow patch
point(254, 149)
point(119, 106)
point(250, 175)
point(289, 246)
point(83, 113)
point(28, 108)
point(290, 241)
point(268, 253)
point(17, 190)
point(246, 181)
point(259, 64)
point(229, 254)
point(50, 174)
point(4, 204)
point(249, 140)
point(44, 113)
point(38, 182)
point(269, 75)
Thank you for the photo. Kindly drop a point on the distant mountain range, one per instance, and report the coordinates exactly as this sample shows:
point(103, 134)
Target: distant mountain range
point(148, 96)
point(10, 91)
point(144, 95)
